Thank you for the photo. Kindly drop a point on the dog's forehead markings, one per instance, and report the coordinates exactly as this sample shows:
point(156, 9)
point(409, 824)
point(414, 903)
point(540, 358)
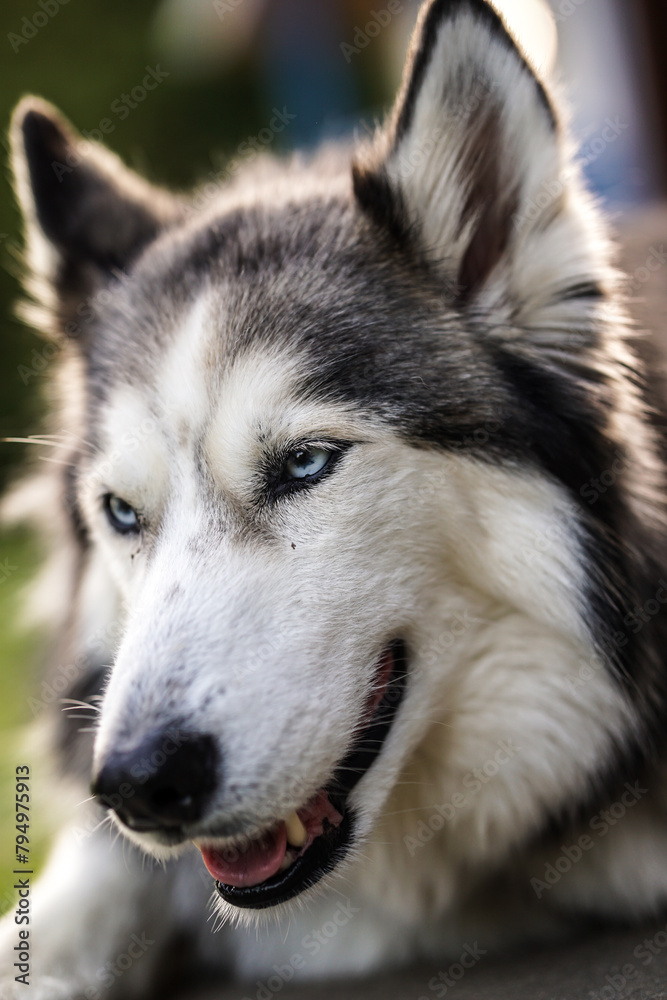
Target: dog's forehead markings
point(262, 405)
point(183, 383)
point(252, 404)
point(132, 451)
point(175, 406)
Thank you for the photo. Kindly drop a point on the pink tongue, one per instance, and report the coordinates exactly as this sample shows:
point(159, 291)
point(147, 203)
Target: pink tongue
point(253, 864)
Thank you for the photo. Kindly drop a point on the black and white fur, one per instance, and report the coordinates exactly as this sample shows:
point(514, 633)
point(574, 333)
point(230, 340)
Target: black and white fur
point(472, 352)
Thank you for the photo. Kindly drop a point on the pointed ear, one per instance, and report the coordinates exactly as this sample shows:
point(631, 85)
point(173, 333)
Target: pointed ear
point(87, 216)
point(472, 141)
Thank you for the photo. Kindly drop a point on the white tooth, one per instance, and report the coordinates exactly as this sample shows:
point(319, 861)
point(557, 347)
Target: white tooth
point(286, 862)
point(296, 831)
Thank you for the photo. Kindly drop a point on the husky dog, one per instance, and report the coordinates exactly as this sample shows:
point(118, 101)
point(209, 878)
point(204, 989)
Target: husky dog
point(362, 495)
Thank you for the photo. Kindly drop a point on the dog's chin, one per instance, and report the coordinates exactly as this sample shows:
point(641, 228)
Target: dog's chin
point(268, 867)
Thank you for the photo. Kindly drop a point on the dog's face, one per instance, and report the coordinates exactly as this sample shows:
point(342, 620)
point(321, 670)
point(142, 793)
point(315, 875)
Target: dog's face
point(279, 547)
point(264, 535)
point(304, 456)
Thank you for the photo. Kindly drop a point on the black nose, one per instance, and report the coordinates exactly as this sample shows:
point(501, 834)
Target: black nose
point(163, 782)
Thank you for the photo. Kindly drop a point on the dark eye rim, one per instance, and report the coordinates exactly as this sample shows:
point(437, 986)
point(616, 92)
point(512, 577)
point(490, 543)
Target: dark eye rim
point(118, 527)
point(282, 484)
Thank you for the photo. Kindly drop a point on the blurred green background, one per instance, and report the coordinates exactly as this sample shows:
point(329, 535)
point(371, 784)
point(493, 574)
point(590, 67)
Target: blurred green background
point(229, 64)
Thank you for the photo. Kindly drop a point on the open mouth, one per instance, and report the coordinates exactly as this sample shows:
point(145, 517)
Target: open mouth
point(296, 853)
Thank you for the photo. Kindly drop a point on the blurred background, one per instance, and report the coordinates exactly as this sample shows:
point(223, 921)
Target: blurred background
point(219, 72)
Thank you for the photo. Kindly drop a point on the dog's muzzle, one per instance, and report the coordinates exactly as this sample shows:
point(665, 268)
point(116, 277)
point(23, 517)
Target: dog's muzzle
point(163, 787)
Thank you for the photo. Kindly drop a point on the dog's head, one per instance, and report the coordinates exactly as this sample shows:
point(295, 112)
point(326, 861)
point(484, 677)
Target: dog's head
point(309, 448)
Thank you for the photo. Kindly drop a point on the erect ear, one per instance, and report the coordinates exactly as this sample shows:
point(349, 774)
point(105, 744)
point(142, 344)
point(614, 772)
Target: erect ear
point(473, 141)
point(87, 216)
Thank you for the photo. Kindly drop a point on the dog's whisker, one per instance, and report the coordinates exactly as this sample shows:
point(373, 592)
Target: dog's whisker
point(412, 809)
point(37, 440)
point(430, 722)
point(63, 462)
point(105, 819)
point(72, 703)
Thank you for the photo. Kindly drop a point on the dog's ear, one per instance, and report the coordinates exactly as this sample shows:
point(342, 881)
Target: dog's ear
point(472, 152)
point(87, 216)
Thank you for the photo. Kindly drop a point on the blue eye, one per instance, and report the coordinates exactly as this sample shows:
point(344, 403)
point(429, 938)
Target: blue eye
point(122, 517)
point(303, 463)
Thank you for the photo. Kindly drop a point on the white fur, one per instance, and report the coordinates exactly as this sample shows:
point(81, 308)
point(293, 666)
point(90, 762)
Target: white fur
point(262, 624)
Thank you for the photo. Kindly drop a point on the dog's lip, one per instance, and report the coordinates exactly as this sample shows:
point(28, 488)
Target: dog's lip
point(325, 848)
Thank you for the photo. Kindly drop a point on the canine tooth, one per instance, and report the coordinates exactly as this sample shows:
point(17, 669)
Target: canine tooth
point(296, 831)
point(286, 862)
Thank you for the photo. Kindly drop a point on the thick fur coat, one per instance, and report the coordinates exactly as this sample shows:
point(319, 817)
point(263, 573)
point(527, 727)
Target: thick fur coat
point(331, 507)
